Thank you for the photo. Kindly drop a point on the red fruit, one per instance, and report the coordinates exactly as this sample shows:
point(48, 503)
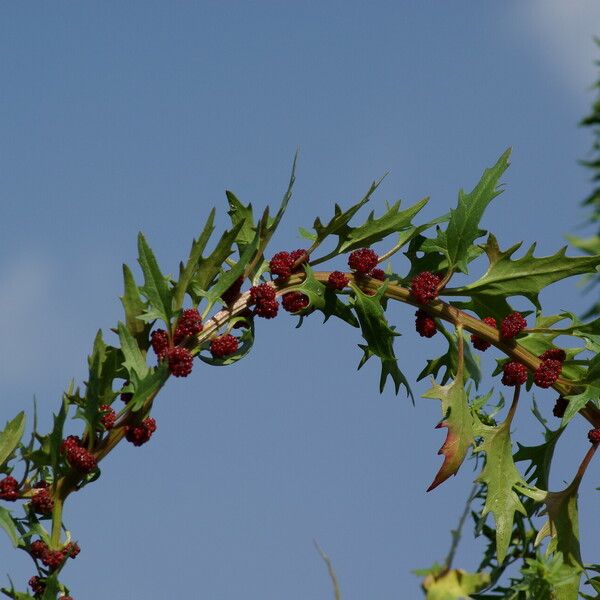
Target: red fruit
point(263, 296)
point(547, 373)
point(425, 324)
point(267, 309)
point(223, 345)
point(38, 549)
point(72, 441)
point(337, 280)
point(512, 325)
point(188, 324)
point(377, 274)
point(424, 287)
point(37, 585)
point(72, 549)
point(481, 344)
point(514, 374)
point(231, 294)
point(363, 260)
point(294, 301)
point(53, 559)
point(42, 501)
point(9, 489)
point(140, 434)
point(283, 263)
point(180, 360)
point(109, 416)
point(594, 435)
point(81, 459)
point(299, 257)
point(160, 343)
point(555, 354)
point(559, 407)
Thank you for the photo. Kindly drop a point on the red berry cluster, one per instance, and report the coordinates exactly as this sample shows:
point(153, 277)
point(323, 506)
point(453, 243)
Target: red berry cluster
point(294, 302)
point(263, 298)
point(283, 264)
point(512, 325)
point(547, 373)
point(41, 501)
point(224, 345)
point(180, 361)
point(109, 416)
point(363, 260)
point(141, 433)
point(425, 324)
point(554, 354)
point(231, 294)
point(337, 280)
point(377, 274)
point(53, 559)
point(479, 343)
point(424, 287)
point(159, 341)
point(594, 435)
point(188, 324)
point(37, 585)
point(515, 374)
point(559, 407)
point(9, 489)
point(79, 457)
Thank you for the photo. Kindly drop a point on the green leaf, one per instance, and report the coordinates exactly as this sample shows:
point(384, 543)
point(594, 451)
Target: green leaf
point(134, 359)
point(134, 307)
point(458, 419)
point(500, 475)
point(10, 437)
point(52, 587)
point(156, 288)
point(56, 435)
point(379, 337)
point(146, 387)
point(463, 227)
point(7, 523)
point(525, 276)
point(245, 343)
point(241, 214)
point(454, 584)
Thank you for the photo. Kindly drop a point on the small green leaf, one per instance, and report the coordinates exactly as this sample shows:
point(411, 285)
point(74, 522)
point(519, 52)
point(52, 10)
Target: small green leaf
point(454, 584)
point(7, 523)
point(134, 307)
point(56, 435)
point(146, 387)
point(10, 437)
point(134, 359)
point(239, 213)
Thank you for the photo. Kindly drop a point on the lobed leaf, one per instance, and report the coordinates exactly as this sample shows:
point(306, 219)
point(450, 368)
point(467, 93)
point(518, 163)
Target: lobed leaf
point(10, 438)
point(134, 308)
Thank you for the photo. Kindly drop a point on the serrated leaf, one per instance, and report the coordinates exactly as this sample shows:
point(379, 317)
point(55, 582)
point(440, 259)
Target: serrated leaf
point(156, 288)
point(56, 435)
point(379, 336)
point(525, 276)
point(458, 419)
point(500, 475)
point(134, 307)
point(146, 387)
point(463, 226)
point(7, 523)
point(10, 437)
point(134, 359)
point(239, 213)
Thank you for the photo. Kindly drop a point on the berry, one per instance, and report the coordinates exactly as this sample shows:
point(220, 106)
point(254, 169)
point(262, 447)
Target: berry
point(37, 585)
point(337, 280)
point(180, 360)
point(363, 260)
point(188, 324)
point(72, 441)
point(424, 287)
point(547, 373)
point(53, 559)
point(424, 324)
point(377, 274)
point(42, 501)
point(283, 263)
point(479, 343)
point(72, 549)
point(109, 416)
point(140, 434)
point(223, 345)
point(559, 407)
point(294, 301)
point(230, 295)
point(9, 489)
point(594, 435)
point(263, 296)
point(38, 549)
point(512, 325)
point(160, 343)
point(555, 354)
point(267, 309)
point(81, 459)
point(514, 374)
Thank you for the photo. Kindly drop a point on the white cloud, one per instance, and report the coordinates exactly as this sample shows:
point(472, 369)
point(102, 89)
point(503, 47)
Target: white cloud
point(563, 31)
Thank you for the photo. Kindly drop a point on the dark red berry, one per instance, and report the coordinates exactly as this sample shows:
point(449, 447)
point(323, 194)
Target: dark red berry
point(37, 585)
point(42, 501)
point(514, 374)
point(231, 294)
point(188, 324)
point(9, 489)
point(555, 354)
point(284, 263)
point(299, 257)
point(81, 459)
point(424, 287)
point(53, 559)
point(72, 441)
point(377, 274)
point(512, 325)
point(38, 549)
point(140, 434)
point(337, 280)
point(160, 342)
point(547, 373)
point(180, 360)
point(263, 296)
point(594, 435)
point(425, 324)
point(559, 407)
point(72, 549)
point(223, 345)
point(294, 301)
point(109, 416)
point(267, 309)
point(363, 260)
point(480, 343)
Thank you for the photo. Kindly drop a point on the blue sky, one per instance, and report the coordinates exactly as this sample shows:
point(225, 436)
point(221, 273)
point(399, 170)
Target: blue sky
point(119, 117)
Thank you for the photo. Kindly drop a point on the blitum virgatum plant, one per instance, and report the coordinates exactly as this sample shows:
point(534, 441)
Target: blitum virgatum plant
point(208, 313)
